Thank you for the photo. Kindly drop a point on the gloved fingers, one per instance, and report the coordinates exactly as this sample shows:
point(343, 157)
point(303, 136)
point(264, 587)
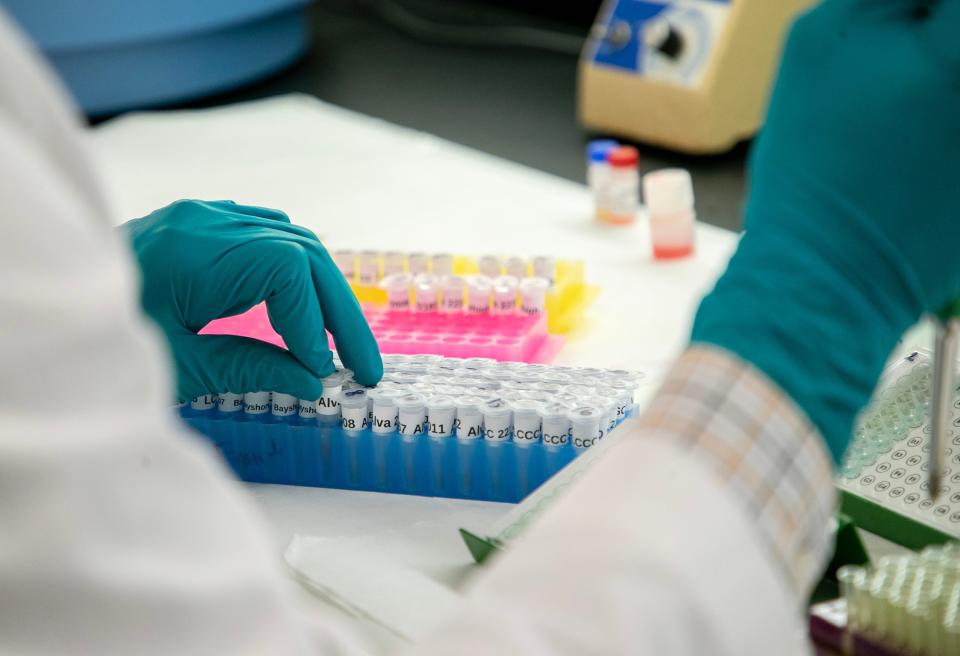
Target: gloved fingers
point(262, 212)
point(278, 271)
point(295, 311)
point(210, 364)
point(232, 207)
point(355, 343)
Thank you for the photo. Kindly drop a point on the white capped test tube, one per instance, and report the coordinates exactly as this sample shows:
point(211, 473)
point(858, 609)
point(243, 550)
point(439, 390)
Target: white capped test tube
point(505, 294)
point(256, 403)
point(478, 294)
point(397, 286)
point(608, 406)
point(441, 413)
point(369, 268)
point(346, 261)
point(442, 264)
point(384, 409)
point(451, 290)
point(555, 423)
point(622, 393)
point(496, 420)
point(490, 266)
point(545, 267)
point(283, 405)
point(517, 267)
point(418, 263)
point(328, 405)
point(526, 421)
point(585, 423)
point(427, 389)
point(411, 414)
point(469, 422)
point(229, 402)
point(307, 409)
point(353, 409)
point(203, 402)
point(533, 295)
point(425, 293)
point(393, 262)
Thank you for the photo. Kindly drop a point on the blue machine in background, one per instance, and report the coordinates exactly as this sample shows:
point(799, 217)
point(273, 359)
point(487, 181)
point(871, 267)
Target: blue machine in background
point(116, 55)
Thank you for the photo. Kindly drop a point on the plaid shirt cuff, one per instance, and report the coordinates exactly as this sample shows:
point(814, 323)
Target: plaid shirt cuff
point(762, 447)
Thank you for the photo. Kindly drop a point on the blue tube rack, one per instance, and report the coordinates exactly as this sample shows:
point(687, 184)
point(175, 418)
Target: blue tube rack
point(316, 453)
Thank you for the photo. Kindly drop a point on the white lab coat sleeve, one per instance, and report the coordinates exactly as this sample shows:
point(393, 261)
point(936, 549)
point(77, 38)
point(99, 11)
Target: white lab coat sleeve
point(648, 554)
point(120, 533)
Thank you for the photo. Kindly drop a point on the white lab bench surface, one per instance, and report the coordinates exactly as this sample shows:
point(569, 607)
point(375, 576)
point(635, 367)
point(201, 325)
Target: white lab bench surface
point(361, 183)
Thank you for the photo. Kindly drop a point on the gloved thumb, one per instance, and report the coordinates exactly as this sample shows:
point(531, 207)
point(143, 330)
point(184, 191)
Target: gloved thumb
point(208, 364)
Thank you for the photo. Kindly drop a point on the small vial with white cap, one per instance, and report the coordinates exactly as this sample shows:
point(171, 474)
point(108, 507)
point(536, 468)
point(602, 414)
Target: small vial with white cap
point(411, 414)
point(384, 402)
point(545, 267)
point(533, 295)
point(668, 194)
point(478, 294)
point(346, 261)
point(451, 294)
point(397, 286)
point(608, 406)
point(328, 405)
point(555, 423)
point(229, 402)
point(469, 420)
point(307, 408)
point(441, 414)
point(283, 405)
point(426, 293)
point(526, 421)
point(353, 409)
point(490, 266)
point(369, 268)
point(496, 420)
point(505, 294)
point(517, 267)
point(203, 402)
point(256, 403)
point(393, 262)
point(623, 186)
point(441, 264)
point(418, 263)
point(585, 423)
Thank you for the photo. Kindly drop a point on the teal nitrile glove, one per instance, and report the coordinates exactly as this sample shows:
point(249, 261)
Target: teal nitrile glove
point(853, 220)
point(206, 260)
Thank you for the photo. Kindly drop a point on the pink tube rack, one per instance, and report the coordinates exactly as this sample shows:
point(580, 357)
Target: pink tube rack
point(518, 338)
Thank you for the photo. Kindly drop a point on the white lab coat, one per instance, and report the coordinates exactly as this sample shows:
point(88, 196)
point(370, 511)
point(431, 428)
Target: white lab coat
point(122, 534)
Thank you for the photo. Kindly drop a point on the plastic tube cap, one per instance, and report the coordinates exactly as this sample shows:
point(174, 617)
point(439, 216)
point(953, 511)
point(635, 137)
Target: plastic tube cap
point(383, 397)
point(668, 191)
point(624, 157)
point(598, 149)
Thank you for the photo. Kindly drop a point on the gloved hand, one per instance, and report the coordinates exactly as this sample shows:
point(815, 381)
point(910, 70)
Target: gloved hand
point(205, 260)
point(852, 218)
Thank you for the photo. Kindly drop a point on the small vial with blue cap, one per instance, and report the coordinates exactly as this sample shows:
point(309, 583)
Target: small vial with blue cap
point(598, 171)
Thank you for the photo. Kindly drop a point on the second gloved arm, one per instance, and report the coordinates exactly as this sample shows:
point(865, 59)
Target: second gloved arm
point(851, 221)
point(203, 260)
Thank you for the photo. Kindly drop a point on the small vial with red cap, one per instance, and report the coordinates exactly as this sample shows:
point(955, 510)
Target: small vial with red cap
point(622, 197)
point(668, 194)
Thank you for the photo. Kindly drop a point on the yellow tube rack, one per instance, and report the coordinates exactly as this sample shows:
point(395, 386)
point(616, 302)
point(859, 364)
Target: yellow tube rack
point(566, 301)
